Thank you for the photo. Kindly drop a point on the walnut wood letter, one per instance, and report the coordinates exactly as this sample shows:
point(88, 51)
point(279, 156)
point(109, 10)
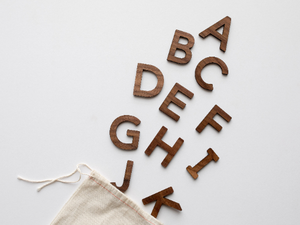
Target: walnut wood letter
point(130, 133)
point(194, 170)
point(138, 80)
point(160, 199)
point(127, 177)
point(213, 31)
point(171, 98)
point(177, 46)
point(205, 62)
point(158, 142)
point(209, 119)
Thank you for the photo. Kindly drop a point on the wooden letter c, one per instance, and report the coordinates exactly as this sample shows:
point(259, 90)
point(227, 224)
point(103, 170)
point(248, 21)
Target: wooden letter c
point(205, 62)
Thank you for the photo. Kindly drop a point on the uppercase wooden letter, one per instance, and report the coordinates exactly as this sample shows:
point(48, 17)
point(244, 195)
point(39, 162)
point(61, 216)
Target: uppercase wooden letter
point(160, 199)
point(157, 141)
point(212, 156)
point(127, 177)
point(171, 98)
point(205, 62)
point(177, 46)
point(131, 133)
point(209, 119)
point(138, 80)
point(212, 30)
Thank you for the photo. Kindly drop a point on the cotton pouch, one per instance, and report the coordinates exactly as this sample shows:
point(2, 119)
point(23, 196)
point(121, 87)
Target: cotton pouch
point(97, 201)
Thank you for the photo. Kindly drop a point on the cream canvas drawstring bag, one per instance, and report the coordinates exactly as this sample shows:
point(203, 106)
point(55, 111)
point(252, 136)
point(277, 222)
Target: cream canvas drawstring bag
point(96, 202)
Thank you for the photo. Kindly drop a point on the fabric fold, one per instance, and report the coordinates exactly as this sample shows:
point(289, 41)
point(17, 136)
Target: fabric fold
point(97, 202)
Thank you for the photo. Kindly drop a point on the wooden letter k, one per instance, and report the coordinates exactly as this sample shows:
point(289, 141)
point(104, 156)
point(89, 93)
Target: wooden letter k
point(160, 199)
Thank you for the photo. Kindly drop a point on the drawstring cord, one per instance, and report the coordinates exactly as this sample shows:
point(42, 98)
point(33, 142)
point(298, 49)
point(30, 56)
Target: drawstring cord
point(59, 179)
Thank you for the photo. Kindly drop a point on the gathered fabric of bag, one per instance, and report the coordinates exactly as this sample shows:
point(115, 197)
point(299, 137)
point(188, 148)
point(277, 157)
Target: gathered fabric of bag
point(97, 201)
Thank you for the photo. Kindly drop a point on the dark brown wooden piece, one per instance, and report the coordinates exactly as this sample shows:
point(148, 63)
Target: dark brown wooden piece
point(194, 170)
point(212, 30)
point(205, 62)
point(127, 177)
point(157, 141)
point(138, 80)
point(209, 119)
point(177, 46)
point(171, 98)
point(130, 133)
point(160, 199)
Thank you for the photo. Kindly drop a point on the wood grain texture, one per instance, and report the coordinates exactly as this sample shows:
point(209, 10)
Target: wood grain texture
point(212, 30)
point(160, 199)
point(138, 81)
point(205, 62)
point(127, 177)
point(209, 119)
point(157, 141)
point(130, 133)
point(194, 170)
point(177, 46)
point(172, 99)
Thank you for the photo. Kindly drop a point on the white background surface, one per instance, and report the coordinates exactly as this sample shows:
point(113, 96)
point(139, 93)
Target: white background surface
point(67, 71)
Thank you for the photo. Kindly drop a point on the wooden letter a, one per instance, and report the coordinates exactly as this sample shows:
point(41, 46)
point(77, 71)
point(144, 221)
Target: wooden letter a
point(213, 31)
